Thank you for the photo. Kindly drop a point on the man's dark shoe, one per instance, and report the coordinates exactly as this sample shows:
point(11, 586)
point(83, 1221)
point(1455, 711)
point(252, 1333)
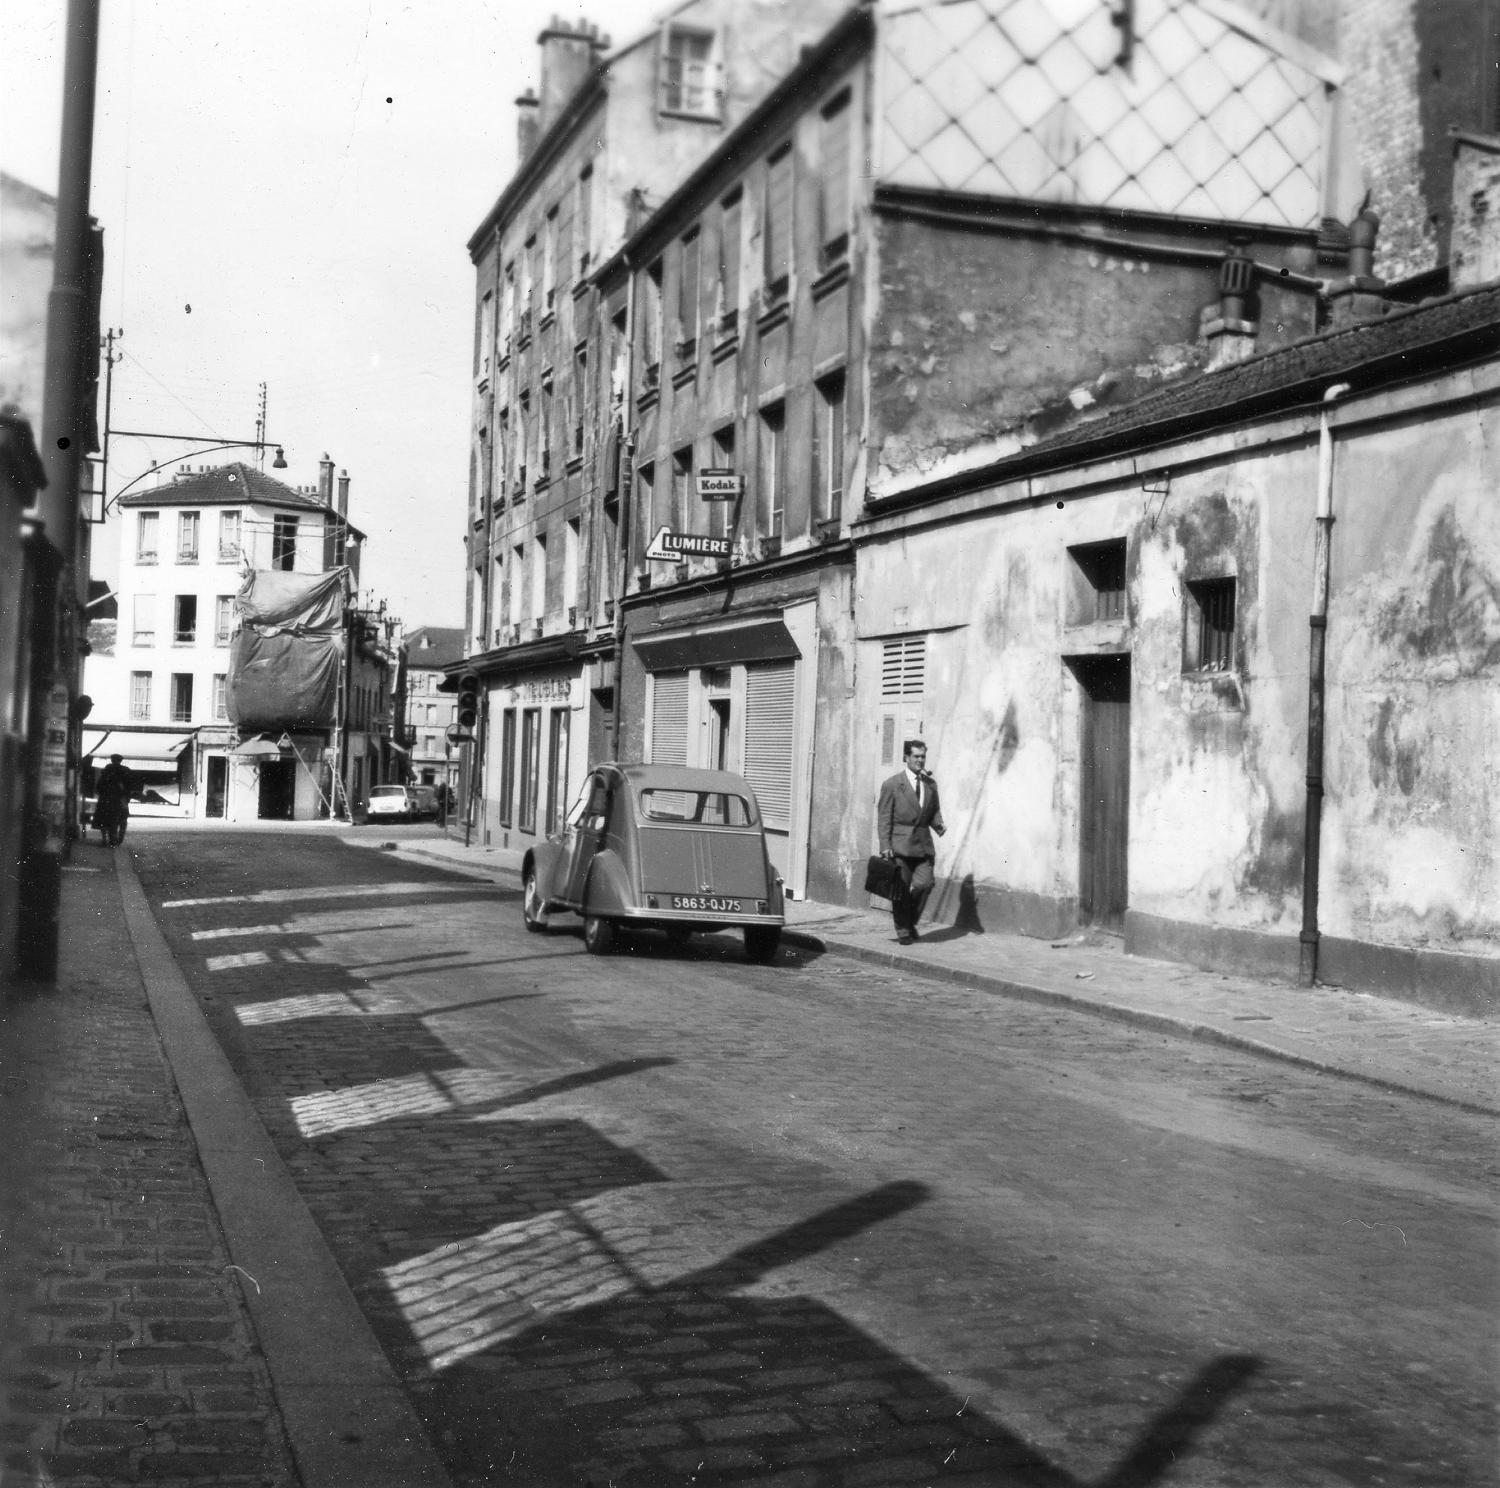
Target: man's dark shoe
point(905, 938)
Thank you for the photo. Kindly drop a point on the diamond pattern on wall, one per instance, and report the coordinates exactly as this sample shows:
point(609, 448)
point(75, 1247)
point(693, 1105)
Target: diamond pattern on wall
point(1025, 98)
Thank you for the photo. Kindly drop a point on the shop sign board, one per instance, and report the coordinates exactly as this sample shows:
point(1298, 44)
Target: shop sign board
point(672, 547)
point(716, 484)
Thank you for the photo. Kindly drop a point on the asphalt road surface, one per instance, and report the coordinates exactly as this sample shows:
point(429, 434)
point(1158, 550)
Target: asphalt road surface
point(667, 1218)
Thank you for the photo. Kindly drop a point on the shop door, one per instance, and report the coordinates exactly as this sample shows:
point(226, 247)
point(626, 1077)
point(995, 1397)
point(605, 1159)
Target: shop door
point(1103, 876)
point(216, 784)
point(278, 789)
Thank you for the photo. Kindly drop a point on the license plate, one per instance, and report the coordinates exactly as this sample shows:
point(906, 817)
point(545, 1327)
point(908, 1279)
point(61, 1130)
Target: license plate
point(705, 904)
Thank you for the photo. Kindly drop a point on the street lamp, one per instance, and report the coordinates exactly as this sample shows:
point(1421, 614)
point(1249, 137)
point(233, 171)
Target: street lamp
point(279, 463)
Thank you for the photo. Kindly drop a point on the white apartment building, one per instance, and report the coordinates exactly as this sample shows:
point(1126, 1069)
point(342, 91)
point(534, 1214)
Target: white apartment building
point(159, 694)
point(429, 651)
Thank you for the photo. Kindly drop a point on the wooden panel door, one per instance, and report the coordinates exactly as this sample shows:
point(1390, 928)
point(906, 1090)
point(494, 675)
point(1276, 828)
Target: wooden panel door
point(1103, 863)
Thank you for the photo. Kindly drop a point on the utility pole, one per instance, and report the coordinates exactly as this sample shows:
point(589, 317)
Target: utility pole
point(65, 422)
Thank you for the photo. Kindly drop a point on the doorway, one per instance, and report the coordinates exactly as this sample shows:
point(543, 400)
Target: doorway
point(1104, 806)
point(278, 789)
point(216, 784)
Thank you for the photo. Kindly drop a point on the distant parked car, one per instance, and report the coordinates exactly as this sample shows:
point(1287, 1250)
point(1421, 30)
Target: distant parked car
point(424, 802)
point(390, 801)
point(659, 847)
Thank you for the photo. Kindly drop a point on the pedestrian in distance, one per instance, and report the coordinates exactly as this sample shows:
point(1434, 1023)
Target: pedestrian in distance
point(908, 814)
point(115, 787)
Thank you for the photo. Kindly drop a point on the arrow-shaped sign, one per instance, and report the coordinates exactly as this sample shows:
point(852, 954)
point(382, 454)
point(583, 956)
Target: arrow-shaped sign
point(672, 547)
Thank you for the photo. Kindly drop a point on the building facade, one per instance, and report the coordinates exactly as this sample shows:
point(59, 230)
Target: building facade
point(426, 655)
point(610, 134)
point(161, 694)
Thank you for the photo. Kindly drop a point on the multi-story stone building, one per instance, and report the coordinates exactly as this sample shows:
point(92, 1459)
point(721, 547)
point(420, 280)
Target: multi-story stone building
point(426, 655)
point(160, 693)
point(610, 134)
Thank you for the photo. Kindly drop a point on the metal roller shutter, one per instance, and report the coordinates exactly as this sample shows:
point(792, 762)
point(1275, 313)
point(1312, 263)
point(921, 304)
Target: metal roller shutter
point(770, 697)
point(669, 718)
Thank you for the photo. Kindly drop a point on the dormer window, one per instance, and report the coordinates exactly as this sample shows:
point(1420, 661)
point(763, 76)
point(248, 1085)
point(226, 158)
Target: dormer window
point(690, 73)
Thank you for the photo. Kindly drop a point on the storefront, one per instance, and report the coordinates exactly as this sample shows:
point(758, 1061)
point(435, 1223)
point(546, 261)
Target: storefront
point(160, 762)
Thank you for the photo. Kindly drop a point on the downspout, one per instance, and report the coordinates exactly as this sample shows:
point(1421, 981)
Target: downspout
point(1317, 624)
point(627, 484)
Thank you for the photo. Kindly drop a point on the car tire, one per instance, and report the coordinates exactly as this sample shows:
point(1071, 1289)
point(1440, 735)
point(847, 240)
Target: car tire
point(533, 907)
point(598, 935)
point(761, 942)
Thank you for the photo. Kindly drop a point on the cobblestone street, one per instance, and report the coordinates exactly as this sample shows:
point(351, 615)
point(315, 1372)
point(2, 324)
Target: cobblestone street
point(669, 1218)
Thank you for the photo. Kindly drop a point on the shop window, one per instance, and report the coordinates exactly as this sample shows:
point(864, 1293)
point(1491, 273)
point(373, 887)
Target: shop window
point(1209, 632)
point(531, 728)
point(507, 766)
point(557, 770)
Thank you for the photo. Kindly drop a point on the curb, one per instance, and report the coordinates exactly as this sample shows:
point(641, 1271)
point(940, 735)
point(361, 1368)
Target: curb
point(347, 1417)
point(1185, 1028)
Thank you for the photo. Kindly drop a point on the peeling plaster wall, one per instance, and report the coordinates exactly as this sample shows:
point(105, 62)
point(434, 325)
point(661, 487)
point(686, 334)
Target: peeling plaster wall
point(983, 342)
point(1412, 814)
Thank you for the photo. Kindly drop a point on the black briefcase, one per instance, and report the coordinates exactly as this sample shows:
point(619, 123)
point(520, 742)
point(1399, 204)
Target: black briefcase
point(882, 877)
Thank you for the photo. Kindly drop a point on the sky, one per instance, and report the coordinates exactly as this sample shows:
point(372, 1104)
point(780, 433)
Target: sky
point(286, 191)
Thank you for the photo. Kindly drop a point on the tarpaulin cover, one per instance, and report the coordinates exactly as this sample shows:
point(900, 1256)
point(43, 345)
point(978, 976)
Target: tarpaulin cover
point(284, 661)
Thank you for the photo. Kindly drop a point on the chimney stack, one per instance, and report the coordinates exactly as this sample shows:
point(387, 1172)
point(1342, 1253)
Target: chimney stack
point(343, 493)
point(325, 480)
point(1360, 296)
point(1230, 327)
point(527, 129)
point(567, 60)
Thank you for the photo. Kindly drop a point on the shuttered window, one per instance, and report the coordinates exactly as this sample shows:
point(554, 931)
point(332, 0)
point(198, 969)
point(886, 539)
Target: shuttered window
point(833, 181)
point(778, 222)
point(687, 296)
point(669, 718)
point(729, 262)
point(770, 694)
point(903, 680)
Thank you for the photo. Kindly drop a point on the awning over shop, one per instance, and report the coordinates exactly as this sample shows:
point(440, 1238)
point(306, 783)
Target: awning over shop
point(259, 747)
point(139, 750)
point(746, 641)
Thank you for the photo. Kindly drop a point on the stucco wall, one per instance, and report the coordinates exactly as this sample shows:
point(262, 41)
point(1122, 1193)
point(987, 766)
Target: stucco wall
point(1412, 818)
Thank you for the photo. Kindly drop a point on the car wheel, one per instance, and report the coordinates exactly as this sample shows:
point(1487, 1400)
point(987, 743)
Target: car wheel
point(761, 942)
point(598, 935)
point(533, 906)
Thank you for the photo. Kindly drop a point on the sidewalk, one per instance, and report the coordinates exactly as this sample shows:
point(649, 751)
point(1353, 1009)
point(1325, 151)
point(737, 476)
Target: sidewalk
point(169, 1313)
point(1388, 1044)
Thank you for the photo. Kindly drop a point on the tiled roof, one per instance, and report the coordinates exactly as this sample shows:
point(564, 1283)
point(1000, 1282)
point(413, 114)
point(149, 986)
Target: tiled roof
point(225, 485)
point(1407, 342)
point(434, 646)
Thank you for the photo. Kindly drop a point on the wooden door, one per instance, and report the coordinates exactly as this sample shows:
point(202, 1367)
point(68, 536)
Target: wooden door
point(1103, 864)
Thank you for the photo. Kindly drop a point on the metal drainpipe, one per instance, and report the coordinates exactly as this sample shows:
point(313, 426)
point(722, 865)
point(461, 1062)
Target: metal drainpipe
point(627, 483)
point(1317, 624)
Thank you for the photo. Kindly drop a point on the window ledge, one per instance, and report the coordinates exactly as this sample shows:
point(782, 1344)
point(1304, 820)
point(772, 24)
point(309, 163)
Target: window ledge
point(649, 399)
point(580, 289)
point(545, 323)
point(574, 465)
point(690, 116)
point(830, 280)
point(685, 374)
point(726, 348)
point(776, 315)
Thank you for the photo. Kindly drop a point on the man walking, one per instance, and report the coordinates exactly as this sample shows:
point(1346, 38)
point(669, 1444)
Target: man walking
point(908, 814)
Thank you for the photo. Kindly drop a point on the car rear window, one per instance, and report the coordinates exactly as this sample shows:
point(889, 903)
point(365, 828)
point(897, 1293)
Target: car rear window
point(388, 790)
point(705, 808)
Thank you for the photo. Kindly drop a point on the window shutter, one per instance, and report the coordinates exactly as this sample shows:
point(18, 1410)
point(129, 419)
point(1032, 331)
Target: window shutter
point(835, 172)
point(770, 695)
point(903, 667)
point(729, 260)
point(687, 290)
point(778, 230)
point(669, 720)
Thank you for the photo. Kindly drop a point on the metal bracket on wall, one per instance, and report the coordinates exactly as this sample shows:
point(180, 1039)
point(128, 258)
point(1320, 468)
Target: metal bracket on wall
point(1161, 488)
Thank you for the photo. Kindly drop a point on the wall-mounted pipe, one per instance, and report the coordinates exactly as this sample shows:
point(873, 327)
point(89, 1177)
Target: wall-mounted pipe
point(1317, 625)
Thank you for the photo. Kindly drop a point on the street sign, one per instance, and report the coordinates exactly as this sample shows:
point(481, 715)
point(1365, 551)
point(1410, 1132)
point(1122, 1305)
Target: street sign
point(672, 547)
point(457, 735)
point(715, 484)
